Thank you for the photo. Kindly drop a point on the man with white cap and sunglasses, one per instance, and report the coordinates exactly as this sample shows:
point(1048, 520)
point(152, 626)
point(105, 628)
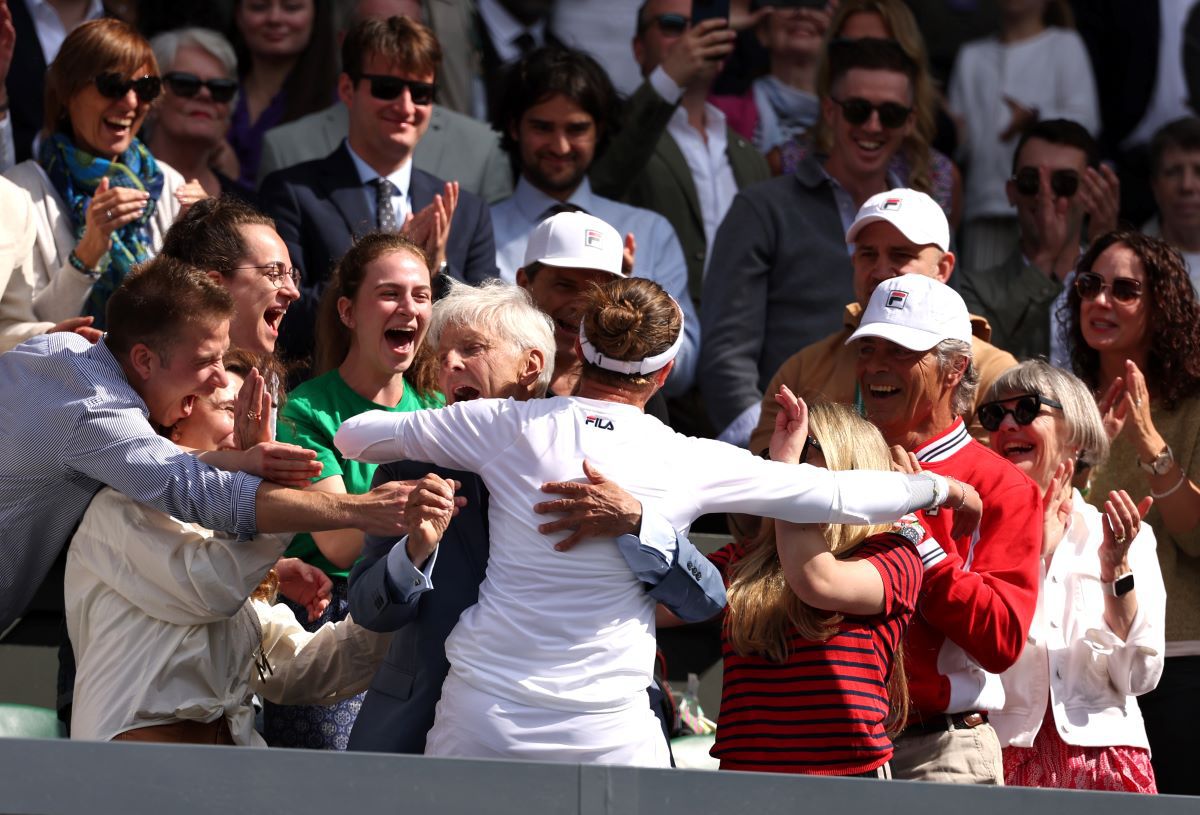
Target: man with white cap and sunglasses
point(916, 379)
point(897, 232)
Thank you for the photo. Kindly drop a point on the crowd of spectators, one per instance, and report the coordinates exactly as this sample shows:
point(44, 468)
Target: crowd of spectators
point(368, 362)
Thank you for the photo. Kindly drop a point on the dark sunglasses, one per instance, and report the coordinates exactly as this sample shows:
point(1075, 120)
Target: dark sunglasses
point(673, 25)
point(114, 86)
point(387, 88)
point(810, 444)
point(1124, 289)
point(1063, 183)
point(188, 85)
point(857, 111)
point(1024, 410)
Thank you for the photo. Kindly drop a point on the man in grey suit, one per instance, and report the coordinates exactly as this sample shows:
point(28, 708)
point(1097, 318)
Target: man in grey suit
point(455, 147)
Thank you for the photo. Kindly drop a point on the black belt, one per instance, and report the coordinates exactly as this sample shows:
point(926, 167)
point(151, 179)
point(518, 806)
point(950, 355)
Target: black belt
point(948, 722)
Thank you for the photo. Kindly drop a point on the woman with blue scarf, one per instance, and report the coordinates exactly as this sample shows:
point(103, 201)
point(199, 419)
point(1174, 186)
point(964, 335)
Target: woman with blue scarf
point(101, 201)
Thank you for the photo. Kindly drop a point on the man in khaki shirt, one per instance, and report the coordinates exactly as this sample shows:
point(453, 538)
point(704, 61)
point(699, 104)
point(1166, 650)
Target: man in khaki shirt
point(897, 232)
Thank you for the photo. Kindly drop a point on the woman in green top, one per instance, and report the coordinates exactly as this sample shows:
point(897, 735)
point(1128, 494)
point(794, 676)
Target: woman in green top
point(370, 331)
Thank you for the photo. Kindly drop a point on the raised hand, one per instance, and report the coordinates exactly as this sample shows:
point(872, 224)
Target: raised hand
point(427, 513)
point(700, 49)
point(110, 209)
point(791, 427)
point(1122, 520)
point(252, 412)
point(1100, 195)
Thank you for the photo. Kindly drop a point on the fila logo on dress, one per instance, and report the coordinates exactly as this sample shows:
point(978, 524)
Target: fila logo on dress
point(600, 422)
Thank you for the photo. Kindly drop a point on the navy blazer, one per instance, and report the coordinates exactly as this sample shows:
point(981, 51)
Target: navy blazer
point(398, 710)
point(321, 206)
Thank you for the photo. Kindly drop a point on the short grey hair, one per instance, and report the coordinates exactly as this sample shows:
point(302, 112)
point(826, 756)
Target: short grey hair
point(948, 354)
point(167, 44)
point(1085, 427)
point(502, 311)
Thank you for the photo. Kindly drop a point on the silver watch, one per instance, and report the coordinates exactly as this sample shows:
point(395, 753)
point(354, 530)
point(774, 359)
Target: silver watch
point(1161, 464)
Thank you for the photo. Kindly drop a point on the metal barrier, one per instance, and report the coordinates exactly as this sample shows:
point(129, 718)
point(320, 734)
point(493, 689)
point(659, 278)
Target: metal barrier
point(51, 777)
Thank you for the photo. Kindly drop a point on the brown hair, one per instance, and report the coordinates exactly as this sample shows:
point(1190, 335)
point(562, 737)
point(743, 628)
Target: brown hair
point(1173, 363)
point(764, 614)
point(333, 337)
point(157, 299)
point(899, 21)
point(629, 318)
point(93, 48)
point(398, 40)
point(208, 236)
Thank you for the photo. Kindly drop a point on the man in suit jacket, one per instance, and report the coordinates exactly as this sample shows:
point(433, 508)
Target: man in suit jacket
point(393, 586)
point(369, 182)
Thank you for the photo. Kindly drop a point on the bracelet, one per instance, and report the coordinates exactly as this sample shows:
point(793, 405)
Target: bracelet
point(1182, 478)
point(81, 267)
point(962, 501)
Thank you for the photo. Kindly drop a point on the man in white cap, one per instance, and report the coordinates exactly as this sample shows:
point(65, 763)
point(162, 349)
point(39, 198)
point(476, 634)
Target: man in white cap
point(897, 232)
point(979, 592)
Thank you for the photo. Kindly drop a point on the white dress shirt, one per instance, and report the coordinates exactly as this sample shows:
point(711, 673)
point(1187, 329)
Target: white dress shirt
point(709, 164)
point(401, 185)
point(49, 26)
point(503, 30)
point(659, 255)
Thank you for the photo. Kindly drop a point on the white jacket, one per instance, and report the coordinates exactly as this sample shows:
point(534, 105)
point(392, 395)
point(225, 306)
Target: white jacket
point(18, 233)
point(59, 291)
point(1091, 675)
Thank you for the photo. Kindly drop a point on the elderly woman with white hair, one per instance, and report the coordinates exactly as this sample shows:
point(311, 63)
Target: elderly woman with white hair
point(1071, 716)
point(188, 127)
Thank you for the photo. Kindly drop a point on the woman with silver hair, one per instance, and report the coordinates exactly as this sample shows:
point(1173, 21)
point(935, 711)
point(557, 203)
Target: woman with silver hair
point(187, 129)
point(1071, 716)
point(554, 660)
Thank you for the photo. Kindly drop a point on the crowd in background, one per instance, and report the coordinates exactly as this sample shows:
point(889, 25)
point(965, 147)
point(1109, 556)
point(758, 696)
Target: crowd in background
point(262, 259)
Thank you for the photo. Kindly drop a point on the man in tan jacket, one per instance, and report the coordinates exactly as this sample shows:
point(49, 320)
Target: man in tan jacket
point(897, 232)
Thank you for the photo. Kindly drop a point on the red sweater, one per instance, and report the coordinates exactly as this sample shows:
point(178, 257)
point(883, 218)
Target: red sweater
point(822, 711)
point(980, 591)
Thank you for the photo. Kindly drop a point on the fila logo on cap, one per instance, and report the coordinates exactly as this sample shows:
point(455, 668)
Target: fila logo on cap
point(593, 239)
point(892, 204)
point(896, 299)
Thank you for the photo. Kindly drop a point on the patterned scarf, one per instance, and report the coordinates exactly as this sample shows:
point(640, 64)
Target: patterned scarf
point(75, 174)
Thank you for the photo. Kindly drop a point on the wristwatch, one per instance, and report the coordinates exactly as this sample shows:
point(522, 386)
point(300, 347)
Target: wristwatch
point(1119, 587)
point(1161, 464)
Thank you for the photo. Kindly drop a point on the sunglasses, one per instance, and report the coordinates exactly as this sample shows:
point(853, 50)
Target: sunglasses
point(188, 85)
point(114, 86)
point(673, 25)
point(857, 111)
point(1063, 183)
point(387, 88)
point(1124, 289)
point(810, 444)
point(275, 272)
point(1024, 410)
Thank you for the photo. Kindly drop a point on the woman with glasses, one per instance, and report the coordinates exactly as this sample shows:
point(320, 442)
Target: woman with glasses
point(1133, 325)
point(371, 357)
point(102, 200)
point(188, 127)
point(1071, 717)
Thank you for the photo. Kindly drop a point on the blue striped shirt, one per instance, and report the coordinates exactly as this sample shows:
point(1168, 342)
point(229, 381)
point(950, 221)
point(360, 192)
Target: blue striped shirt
point(70, 423)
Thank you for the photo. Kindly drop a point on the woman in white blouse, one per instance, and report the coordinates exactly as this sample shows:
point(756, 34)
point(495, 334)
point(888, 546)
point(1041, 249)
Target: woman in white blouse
point(1071, 716)
point(173, 627)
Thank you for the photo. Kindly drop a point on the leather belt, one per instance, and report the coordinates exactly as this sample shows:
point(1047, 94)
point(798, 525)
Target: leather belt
point(947, 722)
point(182, 732)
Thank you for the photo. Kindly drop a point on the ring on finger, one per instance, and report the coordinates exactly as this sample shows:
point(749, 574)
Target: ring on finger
point(252, 416)
point(108, 213)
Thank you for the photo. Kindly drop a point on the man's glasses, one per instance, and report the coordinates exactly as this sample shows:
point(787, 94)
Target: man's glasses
point(1124, 289)
point(387, 88)
point(188, 85)
point(857, 111)
point(673, 25)
point(115, 86)
point(1063, 183)
point(1024, 410)
point(276, 272)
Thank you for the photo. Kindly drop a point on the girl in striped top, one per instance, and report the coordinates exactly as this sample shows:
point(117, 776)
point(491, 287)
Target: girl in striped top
point(816, 616)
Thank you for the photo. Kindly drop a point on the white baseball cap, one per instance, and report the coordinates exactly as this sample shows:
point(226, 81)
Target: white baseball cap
point(576, 240)
point(918, 217)
point(916, 312)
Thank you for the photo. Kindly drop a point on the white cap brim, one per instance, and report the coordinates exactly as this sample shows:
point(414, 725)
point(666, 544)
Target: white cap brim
point(588, 263)
point(914, 339)
point(920, 237)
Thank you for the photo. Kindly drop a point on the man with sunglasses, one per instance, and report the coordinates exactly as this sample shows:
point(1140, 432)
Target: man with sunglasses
point(1055, 183)
point(369, 183)
point(916, 379)
point(779, 274)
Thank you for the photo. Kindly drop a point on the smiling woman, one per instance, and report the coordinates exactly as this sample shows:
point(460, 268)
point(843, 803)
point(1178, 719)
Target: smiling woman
point(370, 333)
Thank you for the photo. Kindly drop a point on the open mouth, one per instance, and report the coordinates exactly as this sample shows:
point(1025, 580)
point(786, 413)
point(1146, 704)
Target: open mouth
point(400, 340)
point(882, 391)
point(273, 317)
point(1017, 448)
point(119, 127)
point(465, 393)
point(567, 327)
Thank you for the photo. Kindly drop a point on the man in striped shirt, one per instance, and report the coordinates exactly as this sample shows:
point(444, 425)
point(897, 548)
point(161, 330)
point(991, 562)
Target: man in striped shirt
point(76, 416)
point(917, 379)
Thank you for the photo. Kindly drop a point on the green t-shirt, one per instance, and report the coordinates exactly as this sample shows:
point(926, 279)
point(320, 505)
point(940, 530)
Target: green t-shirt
point(313, 413)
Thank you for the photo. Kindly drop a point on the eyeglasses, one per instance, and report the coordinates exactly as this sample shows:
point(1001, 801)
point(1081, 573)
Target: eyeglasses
point(810, 444)
point(188, 85)
point(1063, 183)
point(387, 88)
point(1024, 410)
point(275, 272)
point(857, 111)
point(673, 25)
point(114, 86)
point(1124, 289)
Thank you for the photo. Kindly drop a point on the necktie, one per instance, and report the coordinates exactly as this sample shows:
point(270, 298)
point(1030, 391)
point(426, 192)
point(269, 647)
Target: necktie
point(524, 42)
point(385, 214)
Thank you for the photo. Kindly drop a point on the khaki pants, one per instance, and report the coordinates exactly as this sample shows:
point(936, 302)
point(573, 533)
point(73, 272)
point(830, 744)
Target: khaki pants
point(970, 756)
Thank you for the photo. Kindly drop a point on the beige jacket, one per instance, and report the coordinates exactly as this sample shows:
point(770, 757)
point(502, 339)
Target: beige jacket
point(18, 232)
